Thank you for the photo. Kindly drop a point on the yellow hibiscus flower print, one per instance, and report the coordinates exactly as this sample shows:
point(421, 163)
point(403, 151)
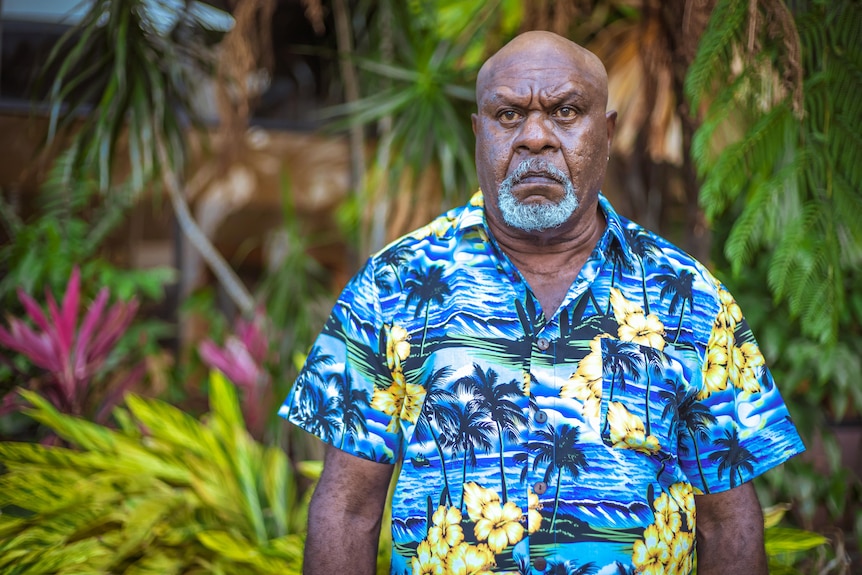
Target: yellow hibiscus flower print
point(683, 495)
point(746, 359)
point(730, 314)
point(534, 518)
point(438, 228)
point(651, 554)
point(465, 559)
point(668, 520)
point(397, 346)
point(634, 326)
point(681, 549)
point(446, 531)
point(426, 562)
point(499, 525)
point(623, 307)
point(586, 383)
point(715, 370)
point(401, 400)
point(627, 430)
point(477, 199)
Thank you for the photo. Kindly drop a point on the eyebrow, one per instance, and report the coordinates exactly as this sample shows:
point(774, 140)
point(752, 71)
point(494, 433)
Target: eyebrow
point(505, 96)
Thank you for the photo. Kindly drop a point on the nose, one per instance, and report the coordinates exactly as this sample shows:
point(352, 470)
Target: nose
point(536, 134)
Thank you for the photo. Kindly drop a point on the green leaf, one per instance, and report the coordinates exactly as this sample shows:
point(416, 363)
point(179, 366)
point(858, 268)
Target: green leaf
point(789, 540)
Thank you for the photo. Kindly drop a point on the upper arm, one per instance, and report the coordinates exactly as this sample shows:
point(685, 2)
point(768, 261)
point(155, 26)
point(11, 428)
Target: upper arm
point(732, 507)
point(352, 485)
point(730, 532)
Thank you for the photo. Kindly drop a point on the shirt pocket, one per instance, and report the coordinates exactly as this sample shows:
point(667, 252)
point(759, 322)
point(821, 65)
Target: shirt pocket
point(640, 387)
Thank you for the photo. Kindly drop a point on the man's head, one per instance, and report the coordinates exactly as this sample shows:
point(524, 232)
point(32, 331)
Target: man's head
point(542, 131)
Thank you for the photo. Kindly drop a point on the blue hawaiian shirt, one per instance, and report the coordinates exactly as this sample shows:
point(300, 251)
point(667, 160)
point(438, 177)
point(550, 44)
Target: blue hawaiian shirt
point(536, 443)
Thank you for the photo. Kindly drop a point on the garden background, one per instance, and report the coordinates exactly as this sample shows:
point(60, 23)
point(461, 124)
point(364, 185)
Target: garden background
point(186, 186)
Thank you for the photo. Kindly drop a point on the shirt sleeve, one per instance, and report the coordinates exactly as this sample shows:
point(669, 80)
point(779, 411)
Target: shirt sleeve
point(333, 396)
point(735, 425)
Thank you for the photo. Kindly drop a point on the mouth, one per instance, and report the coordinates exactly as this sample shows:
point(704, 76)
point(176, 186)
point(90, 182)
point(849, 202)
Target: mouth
point(537, 178)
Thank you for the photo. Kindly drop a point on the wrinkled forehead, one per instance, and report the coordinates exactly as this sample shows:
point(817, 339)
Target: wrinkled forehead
point(554, 60)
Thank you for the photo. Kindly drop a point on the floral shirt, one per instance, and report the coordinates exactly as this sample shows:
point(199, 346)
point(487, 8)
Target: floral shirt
point(532, 442)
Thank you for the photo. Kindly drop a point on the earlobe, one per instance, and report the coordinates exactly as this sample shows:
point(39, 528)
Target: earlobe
point(474, 120)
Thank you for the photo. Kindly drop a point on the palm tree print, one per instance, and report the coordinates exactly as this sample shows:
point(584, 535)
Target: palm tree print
point(471, 429)
point(393, 261)
point(319, 413)
point(314, 365)
point(490, 398)
point(697, 419)
point(621, 262)
point(562, 567)
point(621, 359)
point(680, 287)
point(559, 449)
point(425, 289)
point(437, 410)
point(733, 458)
point(351, 405)
point(655, 362)
point(645, 247)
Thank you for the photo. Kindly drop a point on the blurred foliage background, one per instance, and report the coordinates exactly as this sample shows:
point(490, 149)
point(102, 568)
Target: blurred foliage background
point(134, 447)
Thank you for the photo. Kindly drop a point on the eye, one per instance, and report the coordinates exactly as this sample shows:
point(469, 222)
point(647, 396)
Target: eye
point(566, 112)
point(508, 116)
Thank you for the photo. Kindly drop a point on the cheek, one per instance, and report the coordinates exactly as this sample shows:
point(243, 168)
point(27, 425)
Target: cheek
point(492, 157)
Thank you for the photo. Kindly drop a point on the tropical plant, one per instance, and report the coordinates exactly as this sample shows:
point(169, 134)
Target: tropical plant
point(295, 293)
point(73, 351)
point(417, 62)
point(789, 175)
point(243, 360)
point(164, 493)
point(134, 64)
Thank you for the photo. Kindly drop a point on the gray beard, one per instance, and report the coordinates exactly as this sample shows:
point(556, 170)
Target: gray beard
point(536, 217)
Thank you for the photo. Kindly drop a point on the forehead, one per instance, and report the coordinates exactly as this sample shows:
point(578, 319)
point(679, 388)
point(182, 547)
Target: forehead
point(545, 74)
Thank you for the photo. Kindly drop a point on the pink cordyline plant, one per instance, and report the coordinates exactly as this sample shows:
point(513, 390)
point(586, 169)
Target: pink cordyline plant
point(242, 359)
point(72, 354)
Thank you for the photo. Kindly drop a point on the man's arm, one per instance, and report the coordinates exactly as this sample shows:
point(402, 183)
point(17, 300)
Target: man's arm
point(344, 515)
point(730, 532)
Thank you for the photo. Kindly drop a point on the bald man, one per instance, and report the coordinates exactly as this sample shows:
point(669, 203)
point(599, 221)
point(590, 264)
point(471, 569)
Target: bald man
point(560, 390)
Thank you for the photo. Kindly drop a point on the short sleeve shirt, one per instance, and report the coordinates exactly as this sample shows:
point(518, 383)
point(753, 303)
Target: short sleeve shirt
point(530, 442)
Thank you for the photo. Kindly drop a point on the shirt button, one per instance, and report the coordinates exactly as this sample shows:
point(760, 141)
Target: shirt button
point(543, 343)
point(541, 417)
point(540, 563)
point(540, 487)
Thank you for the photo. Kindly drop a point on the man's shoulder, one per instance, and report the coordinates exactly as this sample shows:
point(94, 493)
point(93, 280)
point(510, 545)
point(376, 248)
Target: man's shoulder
point(439, 232)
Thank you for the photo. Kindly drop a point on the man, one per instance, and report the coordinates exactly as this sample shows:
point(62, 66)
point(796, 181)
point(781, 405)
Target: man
point(561, 387)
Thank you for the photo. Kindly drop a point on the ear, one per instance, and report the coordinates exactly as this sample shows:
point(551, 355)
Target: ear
point(611, 117)
point(474, 119)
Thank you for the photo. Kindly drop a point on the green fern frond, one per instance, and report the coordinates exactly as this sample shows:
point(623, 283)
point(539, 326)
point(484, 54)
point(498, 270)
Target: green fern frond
point(761, 147)
point(714, 49)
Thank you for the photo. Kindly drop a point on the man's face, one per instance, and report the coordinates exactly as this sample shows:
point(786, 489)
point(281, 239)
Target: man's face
point(542, 136)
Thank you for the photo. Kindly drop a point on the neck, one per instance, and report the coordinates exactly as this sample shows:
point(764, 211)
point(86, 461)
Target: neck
point(551, 260)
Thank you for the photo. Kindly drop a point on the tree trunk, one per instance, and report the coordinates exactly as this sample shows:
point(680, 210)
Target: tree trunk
point(226, 276)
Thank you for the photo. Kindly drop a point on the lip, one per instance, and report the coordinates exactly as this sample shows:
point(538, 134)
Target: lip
point(538, 179)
